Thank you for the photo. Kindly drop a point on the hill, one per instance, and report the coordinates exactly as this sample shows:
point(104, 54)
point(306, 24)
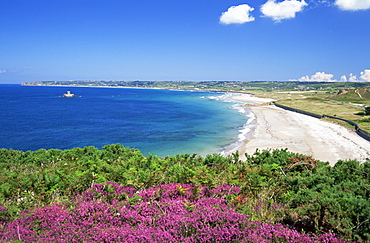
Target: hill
point(353, 95)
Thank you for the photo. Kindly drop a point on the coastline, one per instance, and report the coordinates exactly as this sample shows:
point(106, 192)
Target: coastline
point(276, 128)
point(271, 127)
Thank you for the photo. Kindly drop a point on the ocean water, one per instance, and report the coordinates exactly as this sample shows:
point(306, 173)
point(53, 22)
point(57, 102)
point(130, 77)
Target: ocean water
point(159, 122)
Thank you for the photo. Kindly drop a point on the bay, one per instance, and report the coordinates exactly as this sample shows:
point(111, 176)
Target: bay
point(159, 122)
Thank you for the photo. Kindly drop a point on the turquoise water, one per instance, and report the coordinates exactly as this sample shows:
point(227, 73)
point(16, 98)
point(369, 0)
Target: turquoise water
point(159, 122)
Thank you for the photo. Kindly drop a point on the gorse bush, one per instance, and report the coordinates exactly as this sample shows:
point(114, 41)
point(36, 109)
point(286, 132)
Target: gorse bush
point(273, 187)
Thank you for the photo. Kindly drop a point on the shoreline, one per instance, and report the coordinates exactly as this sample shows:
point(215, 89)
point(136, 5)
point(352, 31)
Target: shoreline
point(276, 128)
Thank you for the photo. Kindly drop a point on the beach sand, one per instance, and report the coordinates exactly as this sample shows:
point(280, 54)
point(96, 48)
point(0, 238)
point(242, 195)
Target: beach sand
point(277, 128)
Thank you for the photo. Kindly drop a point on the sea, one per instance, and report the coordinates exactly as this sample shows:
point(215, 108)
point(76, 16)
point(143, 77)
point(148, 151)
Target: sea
point(155, 121)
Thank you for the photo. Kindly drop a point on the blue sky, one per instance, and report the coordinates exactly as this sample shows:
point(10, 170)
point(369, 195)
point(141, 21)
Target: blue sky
point(184, 40)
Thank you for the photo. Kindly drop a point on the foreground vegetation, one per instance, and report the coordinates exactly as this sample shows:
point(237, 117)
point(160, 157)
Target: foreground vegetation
point(119, 193)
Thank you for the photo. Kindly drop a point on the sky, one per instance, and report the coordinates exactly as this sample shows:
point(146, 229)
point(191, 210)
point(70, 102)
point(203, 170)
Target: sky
point(178, 40)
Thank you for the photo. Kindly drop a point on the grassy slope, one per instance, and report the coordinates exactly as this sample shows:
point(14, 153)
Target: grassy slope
point(360, 96)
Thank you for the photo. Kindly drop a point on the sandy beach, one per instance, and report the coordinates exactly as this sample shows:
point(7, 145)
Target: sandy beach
point(279, 128)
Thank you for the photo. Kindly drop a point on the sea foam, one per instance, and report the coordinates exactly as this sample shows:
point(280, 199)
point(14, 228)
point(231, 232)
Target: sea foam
point(245, 132)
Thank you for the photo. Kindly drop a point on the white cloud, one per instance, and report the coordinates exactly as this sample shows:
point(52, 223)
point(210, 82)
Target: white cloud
point(352, 78)
point(365, 75)
point(319, 77)
point(353, 5)
point(325, 77)
point(237, 15)
point(282, 10)
point(2, 71)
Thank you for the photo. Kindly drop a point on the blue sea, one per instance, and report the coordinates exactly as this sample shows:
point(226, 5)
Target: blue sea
point(158, 122)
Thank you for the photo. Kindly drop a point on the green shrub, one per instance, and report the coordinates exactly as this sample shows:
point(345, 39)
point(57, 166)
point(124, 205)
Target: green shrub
point(293, 188)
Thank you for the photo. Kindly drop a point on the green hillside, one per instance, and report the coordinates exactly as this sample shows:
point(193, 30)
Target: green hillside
point(353, 95)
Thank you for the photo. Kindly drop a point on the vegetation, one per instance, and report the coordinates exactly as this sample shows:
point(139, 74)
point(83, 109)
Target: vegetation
point(354, 95)
point(119, 193)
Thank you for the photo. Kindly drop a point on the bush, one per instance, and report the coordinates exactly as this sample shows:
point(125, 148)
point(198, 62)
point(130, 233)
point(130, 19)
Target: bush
point(276, 186)
point(367, 110)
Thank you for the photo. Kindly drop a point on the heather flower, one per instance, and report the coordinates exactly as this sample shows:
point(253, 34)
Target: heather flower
point(166, 213)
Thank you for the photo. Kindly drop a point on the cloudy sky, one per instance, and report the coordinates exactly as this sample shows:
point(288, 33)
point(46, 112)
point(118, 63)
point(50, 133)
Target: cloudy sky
point(308, 40)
